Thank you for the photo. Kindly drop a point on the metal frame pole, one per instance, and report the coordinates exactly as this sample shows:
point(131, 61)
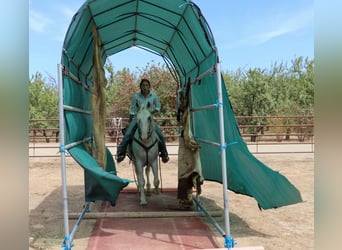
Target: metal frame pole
point(66, 242)
point(79, 220)
point(202, 209)
point(229, 242)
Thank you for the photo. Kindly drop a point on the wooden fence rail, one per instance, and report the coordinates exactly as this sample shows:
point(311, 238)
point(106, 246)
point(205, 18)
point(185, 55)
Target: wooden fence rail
point(256, 131)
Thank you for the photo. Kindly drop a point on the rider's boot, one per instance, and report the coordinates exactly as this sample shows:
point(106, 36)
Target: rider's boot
point(128, 135)
point(121, 151)
point(163, 152)
point(162, 146)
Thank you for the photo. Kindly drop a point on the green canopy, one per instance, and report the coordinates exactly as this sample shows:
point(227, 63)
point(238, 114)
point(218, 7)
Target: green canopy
point(177, 31)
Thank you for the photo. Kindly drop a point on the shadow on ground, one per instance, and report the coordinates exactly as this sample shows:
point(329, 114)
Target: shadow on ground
point(238, 227)
point(46, 222)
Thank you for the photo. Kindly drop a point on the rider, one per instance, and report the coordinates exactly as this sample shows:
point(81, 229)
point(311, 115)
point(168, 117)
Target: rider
point(145, 95)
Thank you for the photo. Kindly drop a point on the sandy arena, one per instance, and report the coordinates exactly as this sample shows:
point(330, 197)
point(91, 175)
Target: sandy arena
point(290, 227)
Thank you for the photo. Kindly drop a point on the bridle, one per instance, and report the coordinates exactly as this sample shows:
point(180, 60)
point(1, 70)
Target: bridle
point(149, 132)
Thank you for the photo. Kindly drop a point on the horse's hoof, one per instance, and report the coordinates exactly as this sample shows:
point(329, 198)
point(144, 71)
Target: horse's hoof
point(148, 193)
point(157, 191)
point(143, 204)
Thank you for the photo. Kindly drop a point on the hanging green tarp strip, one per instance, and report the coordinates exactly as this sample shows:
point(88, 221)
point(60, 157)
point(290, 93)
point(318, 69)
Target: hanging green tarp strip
point(100, 184)
point(98, 103)
point(245, 173)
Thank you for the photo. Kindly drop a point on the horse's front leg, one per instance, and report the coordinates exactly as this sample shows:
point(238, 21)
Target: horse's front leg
point(155, 177)
point(141, 183)
point(148, 183)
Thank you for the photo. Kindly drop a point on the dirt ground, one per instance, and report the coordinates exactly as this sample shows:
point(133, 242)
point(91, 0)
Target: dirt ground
point(290, 227)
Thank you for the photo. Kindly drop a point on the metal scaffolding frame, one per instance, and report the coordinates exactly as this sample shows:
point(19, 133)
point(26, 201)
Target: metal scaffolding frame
point(68, 237)
point(229, 241)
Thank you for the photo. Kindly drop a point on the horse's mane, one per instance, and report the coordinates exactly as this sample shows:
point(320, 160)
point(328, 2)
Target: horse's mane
point(144, 107)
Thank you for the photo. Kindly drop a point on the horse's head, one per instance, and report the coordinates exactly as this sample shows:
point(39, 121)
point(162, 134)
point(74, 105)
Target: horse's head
point(145, 122)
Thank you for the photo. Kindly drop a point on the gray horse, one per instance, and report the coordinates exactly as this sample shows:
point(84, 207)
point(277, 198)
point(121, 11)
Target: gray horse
point(145, 153)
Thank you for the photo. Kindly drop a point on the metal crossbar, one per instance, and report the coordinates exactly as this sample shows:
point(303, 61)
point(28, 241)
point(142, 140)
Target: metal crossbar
point(70, 108)
point(70, 145)
point(211, 106)
point(204, 74)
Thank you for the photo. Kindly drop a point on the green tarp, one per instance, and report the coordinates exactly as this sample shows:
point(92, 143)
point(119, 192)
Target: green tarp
point(177, 31)
point(100, 184)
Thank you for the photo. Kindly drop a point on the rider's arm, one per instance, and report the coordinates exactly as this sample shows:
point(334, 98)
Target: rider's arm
point(130, 118)
point(156, 104)
point(134, 109)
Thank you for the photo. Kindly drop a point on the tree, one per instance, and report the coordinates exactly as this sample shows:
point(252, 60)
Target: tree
point(280, 90)
point(253, 98)
point(302, 85)
point(43, 99)
point(121, 86)
point(164, 86)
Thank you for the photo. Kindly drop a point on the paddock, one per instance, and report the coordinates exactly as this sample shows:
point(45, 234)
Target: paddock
point(178, 32)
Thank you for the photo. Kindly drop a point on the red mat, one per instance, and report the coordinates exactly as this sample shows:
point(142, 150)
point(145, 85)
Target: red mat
point(150, 233)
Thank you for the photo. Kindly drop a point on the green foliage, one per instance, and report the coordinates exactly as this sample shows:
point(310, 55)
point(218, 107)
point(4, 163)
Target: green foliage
point(282, 90)
point(163, 85)
point(43, 99)
point(123, 84)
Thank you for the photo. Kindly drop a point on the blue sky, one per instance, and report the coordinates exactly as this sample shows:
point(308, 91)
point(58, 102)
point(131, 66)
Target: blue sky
point(248, 33)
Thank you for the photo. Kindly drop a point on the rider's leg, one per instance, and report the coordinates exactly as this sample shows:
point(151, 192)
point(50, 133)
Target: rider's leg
point(162, 146)
point(121, 150)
